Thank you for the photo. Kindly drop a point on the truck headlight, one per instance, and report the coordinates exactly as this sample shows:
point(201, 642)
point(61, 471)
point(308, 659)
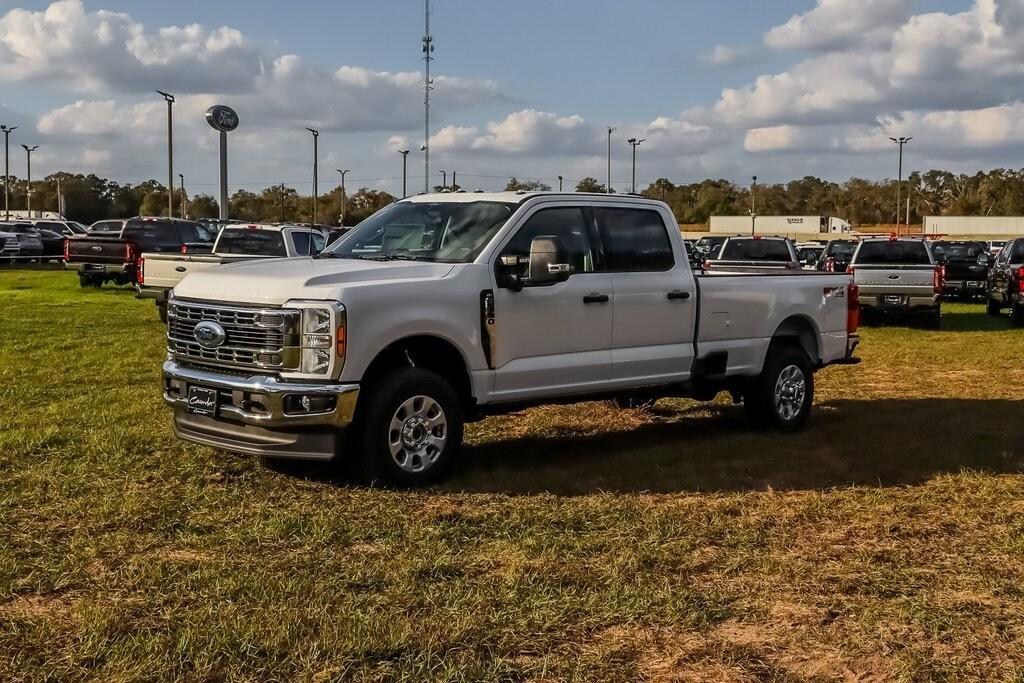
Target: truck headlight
point(321, 338)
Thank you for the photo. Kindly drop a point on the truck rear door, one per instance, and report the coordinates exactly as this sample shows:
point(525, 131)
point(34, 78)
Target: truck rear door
point(653, 300)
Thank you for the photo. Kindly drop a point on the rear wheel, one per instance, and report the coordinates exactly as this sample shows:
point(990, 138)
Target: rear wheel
point(992, 307)
point(410, 433)
point(1017, 314)
point(934, 320)
point(782, 395)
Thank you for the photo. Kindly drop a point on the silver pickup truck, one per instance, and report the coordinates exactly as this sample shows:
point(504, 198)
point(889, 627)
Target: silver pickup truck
point(898, 275)
point(158, 273)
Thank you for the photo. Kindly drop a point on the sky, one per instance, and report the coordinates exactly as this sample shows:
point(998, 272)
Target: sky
point(723, 88)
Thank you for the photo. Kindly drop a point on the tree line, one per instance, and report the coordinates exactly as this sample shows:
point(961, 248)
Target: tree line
point(999, 192)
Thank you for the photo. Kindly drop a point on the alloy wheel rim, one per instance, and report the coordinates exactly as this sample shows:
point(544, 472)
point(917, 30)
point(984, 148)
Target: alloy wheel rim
point(418, 434)
point(790, 390)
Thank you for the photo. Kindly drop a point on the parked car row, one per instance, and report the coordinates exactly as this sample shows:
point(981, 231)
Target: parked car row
point(36, 239)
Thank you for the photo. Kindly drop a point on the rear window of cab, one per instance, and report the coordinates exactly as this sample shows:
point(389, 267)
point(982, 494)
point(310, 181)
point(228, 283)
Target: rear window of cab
point(894, 252)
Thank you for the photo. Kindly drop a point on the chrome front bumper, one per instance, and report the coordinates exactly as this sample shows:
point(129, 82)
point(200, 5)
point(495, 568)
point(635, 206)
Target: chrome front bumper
point(253, 415)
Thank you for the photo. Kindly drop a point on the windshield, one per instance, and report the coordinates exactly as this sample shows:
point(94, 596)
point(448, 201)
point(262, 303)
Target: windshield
point(959, 250)
point(892, 251)
point(840, 249)
point(707, 244)
point(444, 232)
point(756, 250)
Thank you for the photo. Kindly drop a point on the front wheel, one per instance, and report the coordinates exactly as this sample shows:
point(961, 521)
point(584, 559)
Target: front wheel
point(410, 433)
point(782, 395)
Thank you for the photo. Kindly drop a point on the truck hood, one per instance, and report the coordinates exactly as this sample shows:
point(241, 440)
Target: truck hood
point(275, 281)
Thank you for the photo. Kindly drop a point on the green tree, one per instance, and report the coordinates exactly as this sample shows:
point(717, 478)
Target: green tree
point(589, 184)
point(516, 185)
point(203, 206)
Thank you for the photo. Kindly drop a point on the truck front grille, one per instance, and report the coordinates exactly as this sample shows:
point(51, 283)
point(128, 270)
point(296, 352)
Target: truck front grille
point(254, 338)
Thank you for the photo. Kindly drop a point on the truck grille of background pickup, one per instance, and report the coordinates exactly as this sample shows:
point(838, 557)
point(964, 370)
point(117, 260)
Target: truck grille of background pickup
point(249, 344)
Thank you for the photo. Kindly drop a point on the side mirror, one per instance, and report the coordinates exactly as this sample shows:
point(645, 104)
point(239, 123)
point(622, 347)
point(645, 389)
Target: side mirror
point(548, 262)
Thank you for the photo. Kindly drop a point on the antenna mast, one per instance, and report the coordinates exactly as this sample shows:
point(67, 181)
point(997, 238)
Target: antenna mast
point(428, 50)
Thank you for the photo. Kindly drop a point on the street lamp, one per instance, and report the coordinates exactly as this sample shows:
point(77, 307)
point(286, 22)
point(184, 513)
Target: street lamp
point(182, 177)
point(28, 164)
point(405, 159)
point(316, 135)
point(608, 188)
point(169, 98)
point(342, 193)
point(7, 130)
point(634, 143)
point(559, 183)
point(899, 180)
point(753, 206)
point(444, 179)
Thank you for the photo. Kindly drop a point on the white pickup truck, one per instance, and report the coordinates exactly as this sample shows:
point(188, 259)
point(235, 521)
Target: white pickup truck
point(445, 308)
point(158, 273)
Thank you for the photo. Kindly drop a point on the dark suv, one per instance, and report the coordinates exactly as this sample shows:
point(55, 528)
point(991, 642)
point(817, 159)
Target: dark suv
point(966, 265)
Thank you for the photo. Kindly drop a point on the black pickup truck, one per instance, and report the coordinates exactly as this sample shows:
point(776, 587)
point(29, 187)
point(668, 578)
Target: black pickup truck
point(966, 263)
point(112, 256)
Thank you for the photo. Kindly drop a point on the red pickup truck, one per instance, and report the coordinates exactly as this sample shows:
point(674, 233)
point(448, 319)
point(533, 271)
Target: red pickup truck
point(113, 256)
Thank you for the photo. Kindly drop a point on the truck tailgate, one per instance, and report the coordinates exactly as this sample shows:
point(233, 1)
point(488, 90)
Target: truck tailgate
point(101, 250)
point(910, 280)
point(164, 271)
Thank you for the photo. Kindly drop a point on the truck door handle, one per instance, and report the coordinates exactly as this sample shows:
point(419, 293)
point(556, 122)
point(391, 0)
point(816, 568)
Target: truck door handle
point(595, 298)
point(678, 294)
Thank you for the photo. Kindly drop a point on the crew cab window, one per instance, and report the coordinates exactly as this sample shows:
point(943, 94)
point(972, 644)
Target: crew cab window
point(1017, 255)
point(756, 250)
point(958, 250)
point(106, 226)
point(152, 234)
point(300, 240)
point(55, 227)
point(634, 240)
point(568, 224)
point(251, 242)
point(840, 249)
point(893, 251)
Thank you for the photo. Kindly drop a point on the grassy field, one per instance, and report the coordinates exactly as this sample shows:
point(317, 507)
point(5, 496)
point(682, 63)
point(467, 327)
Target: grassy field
point(885, 542)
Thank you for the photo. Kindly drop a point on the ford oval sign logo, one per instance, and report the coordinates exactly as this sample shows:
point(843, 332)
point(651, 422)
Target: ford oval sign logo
point(209, 334)
point(222, 118)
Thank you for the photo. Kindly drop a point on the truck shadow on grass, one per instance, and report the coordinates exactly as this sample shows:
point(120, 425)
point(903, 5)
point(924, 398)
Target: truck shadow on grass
point(872, 443)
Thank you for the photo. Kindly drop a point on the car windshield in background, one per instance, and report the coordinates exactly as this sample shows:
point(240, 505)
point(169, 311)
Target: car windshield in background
point(300, 238)
point(707, 244)
point(840, 249)
point(756, 250)
point(443, 232)
point(251, 242)
point(959, 250)
point(107, 226)
point(893, 251)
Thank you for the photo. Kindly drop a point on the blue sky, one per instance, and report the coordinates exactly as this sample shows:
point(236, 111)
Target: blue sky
point(810, 87)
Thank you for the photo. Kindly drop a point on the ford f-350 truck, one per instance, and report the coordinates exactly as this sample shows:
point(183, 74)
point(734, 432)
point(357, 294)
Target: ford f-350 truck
point(445, 308)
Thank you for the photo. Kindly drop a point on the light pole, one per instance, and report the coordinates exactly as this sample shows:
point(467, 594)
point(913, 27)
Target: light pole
point(454, 186)
point(405, 159)
point(316, 135)
point(608, 188)
point(342, 193)
point(182, 177)
point(7, 130)
point(169, 98)
point(444, 179)
point(28, 170)
point(428, 85)
point(559, 183)
point(634, 143)
point(753, 207)
point(899, 179)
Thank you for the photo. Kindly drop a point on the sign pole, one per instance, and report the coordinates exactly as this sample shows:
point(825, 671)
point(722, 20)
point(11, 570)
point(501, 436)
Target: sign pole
point(223, 175)
point(223, 119)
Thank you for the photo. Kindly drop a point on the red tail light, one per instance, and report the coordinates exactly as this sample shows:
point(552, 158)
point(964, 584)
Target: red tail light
point(140, 271)
point(938, 278)
point(1018, 275)
point(706, 265)
point(129, 252)
point(852, 308)
point(850, 270)
point(67, 250)
point(184, 249)
point(830, 264)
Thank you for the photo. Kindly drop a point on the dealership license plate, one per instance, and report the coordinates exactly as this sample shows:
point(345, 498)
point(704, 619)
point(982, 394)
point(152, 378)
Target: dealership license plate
point(973, 283)
point(202, 401)
point(893, 299)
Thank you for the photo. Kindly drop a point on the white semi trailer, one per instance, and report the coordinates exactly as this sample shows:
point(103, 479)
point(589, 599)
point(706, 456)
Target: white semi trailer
point(779, 225)
point(974, 225)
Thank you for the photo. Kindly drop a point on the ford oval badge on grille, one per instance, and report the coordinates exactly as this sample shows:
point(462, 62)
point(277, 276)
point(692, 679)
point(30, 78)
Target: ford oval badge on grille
point(209, 334)
point(97, 248)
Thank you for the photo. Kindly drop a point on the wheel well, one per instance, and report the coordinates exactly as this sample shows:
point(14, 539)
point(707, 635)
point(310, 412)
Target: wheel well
point(800, 332)
point(432, 353)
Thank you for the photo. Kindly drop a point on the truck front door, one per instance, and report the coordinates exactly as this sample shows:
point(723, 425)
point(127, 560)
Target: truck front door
point(554, 339)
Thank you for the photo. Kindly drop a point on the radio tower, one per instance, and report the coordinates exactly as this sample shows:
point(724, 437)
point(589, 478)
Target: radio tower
point(428, 85)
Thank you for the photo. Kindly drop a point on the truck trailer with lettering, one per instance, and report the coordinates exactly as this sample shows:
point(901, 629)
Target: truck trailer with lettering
point(779, 225)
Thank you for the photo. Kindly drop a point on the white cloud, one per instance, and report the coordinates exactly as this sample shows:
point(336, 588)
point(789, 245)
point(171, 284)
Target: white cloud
point(726, 55)
point(837, 24)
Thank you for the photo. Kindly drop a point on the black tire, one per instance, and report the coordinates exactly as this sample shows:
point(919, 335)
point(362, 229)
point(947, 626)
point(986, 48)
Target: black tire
point(161, 310)
point(992, 307)
point(393, 394)
point(89, 281)
point(759, 396)
point(934, 320)
point(1017, 314)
